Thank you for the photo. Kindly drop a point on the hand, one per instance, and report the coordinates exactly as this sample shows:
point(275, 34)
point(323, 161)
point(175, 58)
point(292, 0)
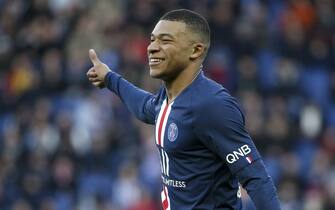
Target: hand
point(96, 74)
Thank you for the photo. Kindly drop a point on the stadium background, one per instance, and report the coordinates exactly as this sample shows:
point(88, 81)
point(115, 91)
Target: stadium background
point(65, 145)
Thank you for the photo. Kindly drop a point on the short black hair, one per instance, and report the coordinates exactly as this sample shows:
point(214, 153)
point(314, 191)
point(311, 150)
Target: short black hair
point(194, 21)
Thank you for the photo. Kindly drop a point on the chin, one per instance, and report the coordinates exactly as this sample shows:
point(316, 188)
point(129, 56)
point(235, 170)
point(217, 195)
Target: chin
point(155, 73)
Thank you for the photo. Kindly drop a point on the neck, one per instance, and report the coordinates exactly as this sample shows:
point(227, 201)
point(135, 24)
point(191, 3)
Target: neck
point(177, 85)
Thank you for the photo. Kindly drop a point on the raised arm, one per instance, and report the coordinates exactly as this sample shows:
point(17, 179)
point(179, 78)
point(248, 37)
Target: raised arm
point(139, 102)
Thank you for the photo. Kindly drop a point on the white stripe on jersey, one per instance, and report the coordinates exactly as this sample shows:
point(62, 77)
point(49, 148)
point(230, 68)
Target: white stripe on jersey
point(167, 163)
point(164, 123)
point(163, 155)
point(163, 161)
point(159, 119)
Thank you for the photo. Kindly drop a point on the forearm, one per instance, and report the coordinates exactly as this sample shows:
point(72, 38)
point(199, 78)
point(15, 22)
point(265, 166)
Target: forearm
point(259, 186)
point(133, 97)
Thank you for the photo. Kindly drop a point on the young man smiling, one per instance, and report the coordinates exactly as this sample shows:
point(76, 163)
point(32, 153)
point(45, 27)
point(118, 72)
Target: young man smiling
point(205, 151)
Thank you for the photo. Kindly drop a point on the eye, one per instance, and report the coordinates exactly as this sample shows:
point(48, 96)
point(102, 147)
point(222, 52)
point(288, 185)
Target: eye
point(166, 40)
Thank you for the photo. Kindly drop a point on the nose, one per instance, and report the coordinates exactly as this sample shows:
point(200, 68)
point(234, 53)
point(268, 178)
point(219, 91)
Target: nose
point(153, 47)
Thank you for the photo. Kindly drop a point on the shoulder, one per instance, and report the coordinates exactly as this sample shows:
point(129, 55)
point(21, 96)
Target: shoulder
point(211, 101)
point(210, 94)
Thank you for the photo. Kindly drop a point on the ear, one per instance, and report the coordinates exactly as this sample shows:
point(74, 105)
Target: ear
point(198, 50)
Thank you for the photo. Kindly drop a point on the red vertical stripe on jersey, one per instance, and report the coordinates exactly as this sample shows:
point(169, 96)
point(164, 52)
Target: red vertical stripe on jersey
point(161, 123)
point(165, 203)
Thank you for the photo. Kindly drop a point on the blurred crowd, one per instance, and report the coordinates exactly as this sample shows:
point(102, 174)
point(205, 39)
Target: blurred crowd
point(65, 145)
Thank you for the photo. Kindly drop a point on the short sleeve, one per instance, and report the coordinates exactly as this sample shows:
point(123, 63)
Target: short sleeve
point(219, 124)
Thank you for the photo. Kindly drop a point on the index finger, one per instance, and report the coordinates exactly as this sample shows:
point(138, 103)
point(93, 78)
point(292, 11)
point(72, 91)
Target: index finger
point(91, 73)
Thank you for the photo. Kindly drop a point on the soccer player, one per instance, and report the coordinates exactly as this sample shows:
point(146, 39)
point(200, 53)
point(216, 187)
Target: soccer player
point(205, 151)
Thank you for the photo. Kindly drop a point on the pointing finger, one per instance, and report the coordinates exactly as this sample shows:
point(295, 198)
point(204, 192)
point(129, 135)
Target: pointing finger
point(94, 58)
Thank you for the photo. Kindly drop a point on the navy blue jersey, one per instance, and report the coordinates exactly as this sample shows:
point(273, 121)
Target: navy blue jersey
point(201, 139)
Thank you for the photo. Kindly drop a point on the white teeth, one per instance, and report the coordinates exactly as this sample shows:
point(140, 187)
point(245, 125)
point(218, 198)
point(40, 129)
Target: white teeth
point(155, 60)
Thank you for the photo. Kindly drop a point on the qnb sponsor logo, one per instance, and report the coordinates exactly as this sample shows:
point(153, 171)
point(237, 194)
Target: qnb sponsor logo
point(236, 154)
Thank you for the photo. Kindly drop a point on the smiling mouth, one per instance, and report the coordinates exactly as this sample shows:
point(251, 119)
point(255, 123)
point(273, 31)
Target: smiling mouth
point(155, 61)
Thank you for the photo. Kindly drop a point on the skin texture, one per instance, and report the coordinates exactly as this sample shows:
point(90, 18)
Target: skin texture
point(169, 41)
point(180, 52)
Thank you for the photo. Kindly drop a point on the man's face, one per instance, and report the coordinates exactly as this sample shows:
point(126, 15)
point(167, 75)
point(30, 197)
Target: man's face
point(169, 50)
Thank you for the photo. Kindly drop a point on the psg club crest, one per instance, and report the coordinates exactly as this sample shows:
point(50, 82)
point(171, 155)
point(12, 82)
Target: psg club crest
point(172, 132)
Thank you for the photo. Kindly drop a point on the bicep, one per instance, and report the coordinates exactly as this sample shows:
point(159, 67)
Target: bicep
point(149, 109)
point(138, 101)
point(226, 135)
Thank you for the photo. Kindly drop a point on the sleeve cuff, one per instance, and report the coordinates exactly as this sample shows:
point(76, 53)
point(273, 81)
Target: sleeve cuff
point(112, 80)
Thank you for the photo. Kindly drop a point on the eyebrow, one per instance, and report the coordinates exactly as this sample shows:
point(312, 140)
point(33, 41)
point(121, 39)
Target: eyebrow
point(162, 35)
